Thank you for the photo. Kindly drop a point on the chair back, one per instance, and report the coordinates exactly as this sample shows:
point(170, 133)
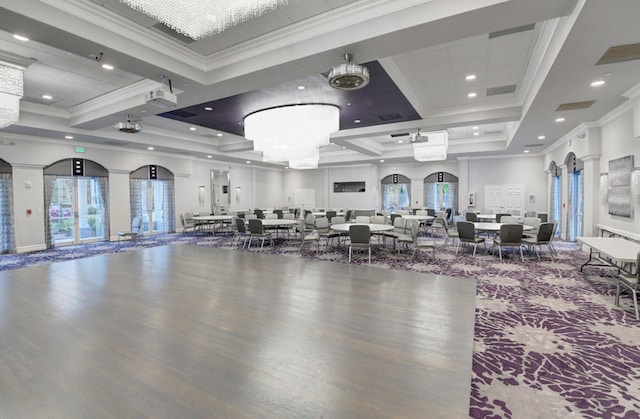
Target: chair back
point(508, 219)
point(532, 221)
point(255, 226)
point(431, 212)
point(330, 214)
point(278, 213)
point(471, 216)
point(447, 214)
point(310, 221)
point(415, 228)
point(511, 234)
point(322, 224)
point(377, 219)
point(499, 217)
point(545, 232)
point(251, 217)
point(259, 213)
point(348, 215)
point(182, 221)
point(272, 216)
point(422, 212)
point(240, 225)
point(399, 225)
point(543, 216)
point(363, 219)
point(458, 218)
point(466, 230)
point(360, 234)
point(288, 216)
point(136, 224)
point(338, 220)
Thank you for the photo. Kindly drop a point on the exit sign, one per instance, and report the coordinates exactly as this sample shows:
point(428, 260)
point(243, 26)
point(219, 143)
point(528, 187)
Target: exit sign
point(79, 149)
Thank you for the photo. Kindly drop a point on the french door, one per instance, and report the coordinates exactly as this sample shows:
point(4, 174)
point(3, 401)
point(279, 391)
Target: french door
point(76, 212)
point(395, 196)
point(153, 214)
point(574, 213)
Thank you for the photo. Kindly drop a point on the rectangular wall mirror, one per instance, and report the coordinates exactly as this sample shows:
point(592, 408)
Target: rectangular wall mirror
point(220, 187)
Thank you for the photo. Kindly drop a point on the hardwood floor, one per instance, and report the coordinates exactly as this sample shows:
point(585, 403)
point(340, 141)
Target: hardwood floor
point(186, 331)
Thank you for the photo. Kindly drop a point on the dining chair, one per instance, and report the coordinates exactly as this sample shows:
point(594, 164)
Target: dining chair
point(399, 228)
point(543, 237)
point(307, 236)
point(241, 232)
point(471, 216)
point(510, 236)
point(467, 235)
point(406, 237)
point(450, 233)
point(257, 231)
point(136, 230)
point(508, 219)
point(630, 282)
point(363, 219)
point(438, 223)
point(421, 243)
point(323, 229)
point(360, 238)
point(187, 226)
point(500, 215)
point(309, 222)
point(259, 213)
point(533, 222)
point(330, 214)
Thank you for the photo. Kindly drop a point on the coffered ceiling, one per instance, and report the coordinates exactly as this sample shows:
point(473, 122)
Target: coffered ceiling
point(527, 59)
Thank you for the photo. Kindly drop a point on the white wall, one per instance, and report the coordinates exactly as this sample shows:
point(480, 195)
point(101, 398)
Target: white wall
point(526, 170)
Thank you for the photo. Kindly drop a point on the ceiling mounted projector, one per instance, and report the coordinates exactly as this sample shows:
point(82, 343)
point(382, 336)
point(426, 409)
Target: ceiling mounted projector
point(128, 126)
point(348, 76)
point(160, 98)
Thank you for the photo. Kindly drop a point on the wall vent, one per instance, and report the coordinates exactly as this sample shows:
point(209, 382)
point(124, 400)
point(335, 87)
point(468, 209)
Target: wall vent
point(390, 117)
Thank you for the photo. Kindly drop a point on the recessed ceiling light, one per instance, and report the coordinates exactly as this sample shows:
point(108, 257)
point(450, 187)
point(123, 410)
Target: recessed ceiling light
point(107, 66)
point(381, 160)
point(526, 151)
point(541, 137)
point(476, 133)
point(472, 95)
point(248, 162)
point(144, 111)
point(357, 121)
point(475, 127)
point(208, 109)
point(286, 167)
point(209, 156)
point(20, 37)
point(597, 83)
point(47, 97)
point(561, 119)
point(348, 103)
point(192, 128)
point(68, 137)
point(470, 77)
point(344, 148)
point(301, 87)
point(150, 148)
point(219, 134)
point(400, 141)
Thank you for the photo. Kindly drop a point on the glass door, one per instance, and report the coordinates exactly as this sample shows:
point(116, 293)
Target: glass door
point(153, 214)
point(574, 226)
point(395, 196)
point(76, 212)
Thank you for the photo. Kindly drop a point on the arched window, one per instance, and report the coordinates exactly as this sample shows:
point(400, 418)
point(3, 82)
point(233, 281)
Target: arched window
point(441, 191)
point(7, 238)
point(555, 195)
point(575, 195)
point(152, 197)
point(76, 193)
point(396, 192)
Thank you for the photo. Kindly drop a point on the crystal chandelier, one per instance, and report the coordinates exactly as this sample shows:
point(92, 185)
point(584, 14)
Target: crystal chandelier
point(11, 91)
point(200, 19)
point(431, 146)
point(292, 133)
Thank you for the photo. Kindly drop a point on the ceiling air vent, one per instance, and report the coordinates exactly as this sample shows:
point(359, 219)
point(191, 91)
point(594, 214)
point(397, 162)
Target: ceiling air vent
point(620, 54)
point(390, 117)
point(533, 145)
point(182, 114)
point(575, 105)
point(501, 90)
point(510, 31)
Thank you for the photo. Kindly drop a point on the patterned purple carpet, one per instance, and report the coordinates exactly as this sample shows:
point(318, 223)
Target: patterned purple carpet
point(549, 341)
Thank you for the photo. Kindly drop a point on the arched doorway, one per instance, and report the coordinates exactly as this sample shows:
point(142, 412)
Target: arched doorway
point(153, 198)
point(555, 196)
point(575, 196)
point(396, 192)
point(76, 193)
point(441, 191)
point(7, 238)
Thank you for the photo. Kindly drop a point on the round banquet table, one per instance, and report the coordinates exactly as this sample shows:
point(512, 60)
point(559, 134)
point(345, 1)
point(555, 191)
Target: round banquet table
point(495, 227)
point(375, 228)
point(272, 222)
point(418, 217)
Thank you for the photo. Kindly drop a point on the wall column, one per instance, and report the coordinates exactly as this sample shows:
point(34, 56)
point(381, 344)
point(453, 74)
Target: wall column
point(590, 216)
